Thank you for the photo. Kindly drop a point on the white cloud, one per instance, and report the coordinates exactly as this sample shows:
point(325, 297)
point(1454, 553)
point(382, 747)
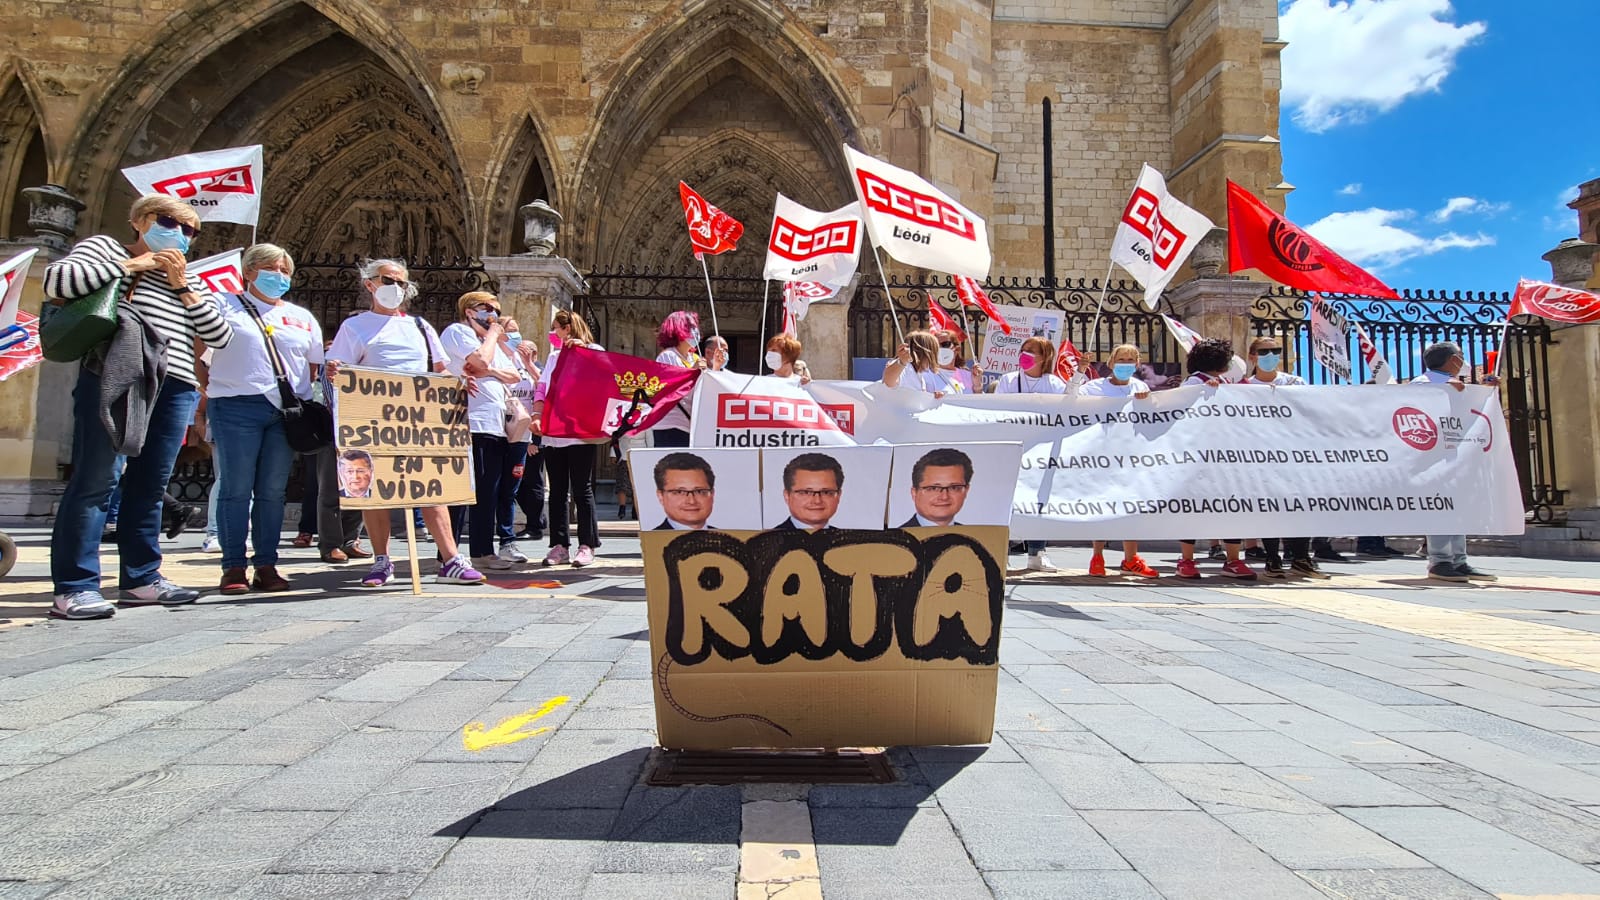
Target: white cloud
point(1350, 190)
point(1371, 237)
point(1463, 206)
point(1349, 58)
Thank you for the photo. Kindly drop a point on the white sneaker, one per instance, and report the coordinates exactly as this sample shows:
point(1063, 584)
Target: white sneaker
point(491, 562)
point(82, 605)
point(211, 544)
point(512, 555)
point(1038, 562)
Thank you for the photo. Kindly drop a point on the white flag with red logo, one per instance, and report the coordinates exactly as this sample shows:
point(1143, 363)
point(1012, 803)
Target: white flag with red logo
point(798, 297)
point(1187, 337)
point(807, 245)
point(1156, 235)
point(915, 222)
point(1069, 362)
point(971, 293)
point(222, 274)
point(1552, 301)
point(221, 185)
point(1377, 367)
point(13, 274)
point(710, 229)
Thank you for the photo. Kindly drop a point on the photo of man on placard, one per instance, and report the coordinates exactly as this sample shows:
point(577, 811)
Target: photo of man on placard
point(812, 483)
point(686, 487)
point(939, 484)
point(355, 474)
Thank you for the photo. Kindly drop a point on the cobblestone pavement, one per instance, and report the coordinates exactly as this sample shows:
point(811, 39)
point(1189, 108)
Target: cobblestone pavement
point(1369, 736)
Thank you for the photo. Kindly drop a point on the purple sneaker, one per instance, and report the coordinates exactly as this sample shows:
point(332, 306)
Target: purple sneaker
point(582, 558)
point(456, 571)
point(382, 573)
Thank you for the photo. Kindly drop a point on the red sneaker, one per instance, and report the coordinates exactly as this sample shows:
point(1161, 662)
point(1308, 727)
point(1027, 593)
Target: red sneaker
point(1097, 565)
point(1187, 569)
point(1238, 569)
point(1135, 565)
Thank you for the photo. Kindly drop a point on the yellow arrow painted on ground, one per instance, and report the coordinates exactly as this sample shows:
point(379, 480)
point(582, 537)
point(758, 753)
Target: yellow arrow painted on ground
point(476, 736)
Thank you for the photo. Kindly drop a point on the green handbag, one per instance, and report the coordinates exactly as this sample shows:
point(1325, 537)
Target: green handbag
point(83, 324)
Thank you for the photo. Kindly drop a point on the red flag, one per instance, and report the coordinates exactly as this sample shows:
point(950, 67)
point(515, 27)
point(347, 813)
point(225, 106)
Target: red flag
point(939, 320)
point(593, 393)
point(1552, 301)
point(710, 229)
point(1068, 359)
point(971, 294)
point(1259, 238)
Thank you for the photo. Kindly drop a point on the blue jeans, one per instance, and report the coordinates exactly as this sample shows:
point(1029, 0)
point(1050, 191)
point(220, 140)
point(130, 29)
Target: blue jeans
point(1447, 548)
point(494, 464)
point(253, 451)
point(75, 538)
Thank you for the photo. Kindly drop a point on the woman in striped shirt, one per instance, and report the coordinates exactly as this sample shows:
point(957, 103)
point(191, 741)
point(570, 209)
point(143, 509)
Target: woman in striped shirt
point(180, 308)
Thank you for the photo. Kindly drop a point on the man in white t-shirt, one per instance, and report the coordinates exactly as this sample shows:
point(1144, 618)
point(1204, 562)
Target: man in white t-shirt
point(1447, 553)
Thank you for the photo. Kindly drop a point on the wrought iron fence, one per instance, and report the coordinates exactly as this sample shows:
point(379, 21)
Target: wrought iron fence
point(653, 293)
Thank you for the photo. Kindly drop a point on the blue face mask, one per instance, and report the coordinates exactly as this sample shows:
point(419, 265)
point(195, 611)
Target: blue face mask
point(270, 283)
point(1268, 362)
point(512, 340)
point(1123, 371)
point(158, 239)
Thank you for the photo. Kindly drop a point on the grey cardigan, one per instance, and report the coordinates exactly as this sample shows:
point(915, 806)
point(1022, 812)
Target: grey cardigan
point(131, 367)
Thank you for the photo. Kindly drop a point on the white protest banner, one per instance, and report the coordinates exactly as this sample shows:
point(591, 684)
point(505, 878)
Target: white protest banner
point(223, 273)
point(807, 245)
point(1157, 234)
point(221, 185)
point(1183, 464)
point(915, 222)
point(1000, 350)
point(1330, 339)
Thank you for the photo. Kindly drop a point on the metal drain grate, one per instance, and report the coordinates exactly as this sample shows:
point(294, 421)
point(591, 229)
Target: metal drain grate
point(680, 767)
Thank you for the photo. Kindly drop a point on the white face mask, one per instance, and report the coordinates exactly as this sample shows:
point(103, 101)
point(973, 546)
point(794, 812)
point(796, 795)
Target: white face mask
point(947, 356)
point(389, 296)
point(774, 360)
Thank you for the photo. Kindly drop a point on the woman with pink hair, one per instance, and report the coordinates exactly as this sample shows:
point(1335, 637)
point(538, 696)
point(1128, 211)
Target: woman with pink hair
point(678, 338)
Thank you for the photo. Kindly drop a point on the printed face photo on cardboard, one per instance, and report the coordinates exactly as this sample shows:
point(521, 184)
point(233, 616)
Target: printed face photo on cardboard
point(355, 474)
point(938, 486)
point(840, 487)
point(677, 489)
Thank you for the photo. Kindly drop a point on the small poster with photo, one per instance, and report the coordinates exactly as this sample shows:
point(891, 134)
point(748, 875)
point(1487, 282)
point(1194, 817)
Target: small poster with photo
point(684, 489)
point(941, 485)
point(824, 487)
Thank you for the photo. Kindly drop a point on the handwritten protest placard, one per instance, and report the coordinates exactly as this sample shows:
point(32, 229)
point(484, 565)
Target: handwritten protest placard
point(403, 439)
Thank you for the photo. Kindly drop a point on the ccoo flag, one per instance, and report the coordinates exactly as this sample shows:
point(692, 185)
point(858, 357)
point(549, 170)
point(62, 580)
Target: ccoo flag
point(710, 229)
point(972, 294)
point(1552, 301)
point(1259, 238)
point(915, 222)
point(221, 185)
point(221, 274)
point(807, 245)
point(1156, 235)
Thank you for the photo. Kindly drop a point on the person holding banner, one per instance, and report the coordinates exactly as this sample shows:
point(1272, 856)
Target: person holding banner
point(1266, 357)
point(714, 352)
point(168, 299)
point(480, 347)
point(1122, 382)
point(1447, 553)
point(386, 338)
point(915, 367)
point(569, 462)
point(1208, 364)
point(1037, 375)
point(677, 340)
point(783, 358)
point(244, 408)
point(953, 361)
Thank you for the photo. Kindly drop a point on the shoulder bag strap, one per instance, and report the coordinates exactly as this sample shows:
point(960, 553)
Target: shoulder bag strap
point(427, 346)
point(285, 391)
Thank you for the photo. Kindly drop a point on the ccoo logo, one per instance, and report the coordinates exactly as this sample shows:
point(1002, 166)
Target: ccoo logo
point(1416, 428)
point(1291, 247)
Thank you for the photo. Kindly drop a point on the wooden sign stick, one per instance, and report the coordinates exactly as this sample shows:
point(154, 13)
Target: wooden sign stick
point(410, 513)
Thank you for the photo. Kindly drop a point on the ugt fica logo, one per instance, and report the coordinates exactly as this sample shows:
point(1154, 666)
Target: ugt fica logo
point(1416, 428)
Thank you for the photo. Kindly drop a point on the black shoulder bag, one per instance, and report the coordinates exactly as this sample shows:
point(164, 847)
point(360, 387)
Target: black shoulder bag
point(307, 424)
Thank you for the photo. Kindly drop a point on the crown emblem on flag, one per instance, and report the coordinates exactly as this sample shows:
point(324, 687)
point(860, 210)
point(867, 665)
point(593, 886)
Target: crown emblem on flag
point(628, 382)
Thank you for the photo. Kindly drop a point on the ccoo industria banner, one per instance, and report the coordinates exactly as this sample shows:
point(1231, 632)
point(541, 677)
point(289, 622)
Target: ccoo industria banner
point(1184, 464)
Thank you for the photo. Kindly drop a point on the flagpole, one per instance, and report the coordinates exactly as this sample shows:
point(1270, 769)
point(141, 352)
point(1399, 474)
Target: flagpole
point(761, 350)
point(1094, 330)
point(713, 300)
point(888, 297)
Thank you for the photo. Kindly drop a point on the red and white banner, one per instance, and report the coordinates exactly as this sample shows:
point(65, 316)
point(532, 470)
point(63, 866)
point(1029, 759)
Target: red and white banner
point(1069, 362)
point(1552, 301)
point(915, 222)
point(710, 229)
point(797, 299)
point(13, 274)
point(1187, 337)
point(222, 274)
point(807, 245)
point(971, 293)
point(939, 320)
point(26, 355)
point(593, 390)
point(1377, 367)
point(1157, 234)
point(221, 185)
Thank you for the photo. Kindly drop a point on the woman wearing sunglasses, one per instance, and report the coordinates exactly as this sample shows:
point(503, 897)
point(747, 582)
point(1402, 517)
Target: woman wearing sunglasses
point(386, 338)
point(915, 367)
point(953, 361)
point(176, 305)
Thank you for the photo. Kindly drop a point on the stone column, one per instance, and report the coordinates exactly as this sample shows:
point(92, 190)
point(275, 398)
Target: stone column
point(533, 285)
point(825, 334)
point(1575, 398)
point(1213, 304)
point(36, 405)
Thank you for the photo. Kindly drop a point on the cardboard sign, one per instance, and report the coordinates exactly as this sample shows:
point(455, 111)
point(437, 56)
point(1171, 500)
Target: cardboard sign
point(679, 488)
point(1001, 350)
point(964, 484)
point(831, 638)
point(403, 439)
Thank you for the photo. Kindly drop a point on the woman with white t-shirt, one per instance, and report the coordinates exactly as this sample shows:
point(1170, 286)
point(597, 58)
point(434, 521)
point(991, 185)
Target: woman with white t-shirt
point(246, 416)
point(783, 358)
point(953, 362)
point(915, 367)
point(1124, 361)
point(569, 462)
point(678, 339)
point(480, 346)
point(1266, 355)
point(1037, 359)
point(385, 338)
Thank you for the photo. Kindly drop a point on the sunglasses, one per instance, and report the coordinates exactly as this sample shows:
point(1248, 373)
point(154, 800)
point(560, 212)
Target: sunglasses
point(947, 344)
point(400, 281)
point(172, 222)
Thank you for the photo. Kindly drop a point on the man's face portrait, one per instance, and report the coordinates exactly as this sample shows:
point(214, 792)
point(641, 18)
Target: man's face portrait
point(686, 497)
point(355, 478)
point(814, 498)
point(941, 493)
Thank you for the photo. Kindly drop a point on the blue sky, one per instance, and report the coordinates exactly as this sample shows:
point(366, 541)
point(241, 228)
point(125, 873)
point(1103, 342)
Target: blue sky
point(1435, 142)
